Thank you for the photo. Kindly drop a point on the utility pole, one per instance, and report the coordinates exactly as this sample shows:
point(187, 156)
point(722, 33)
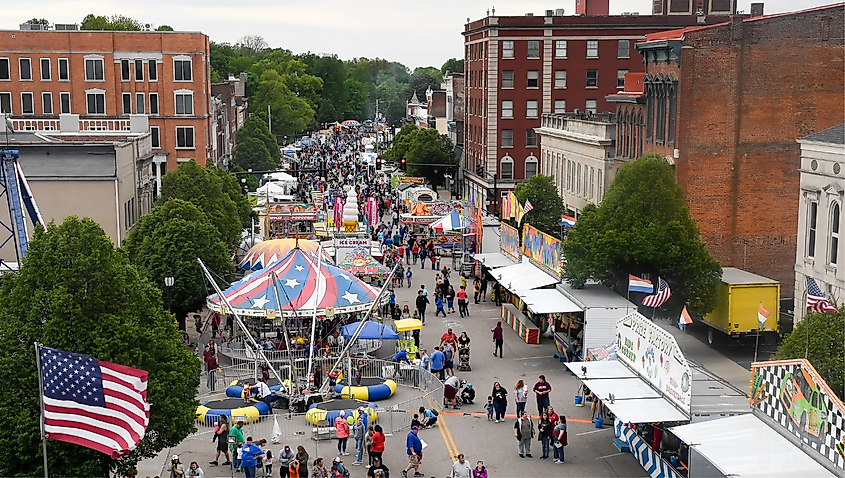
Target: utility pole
point(269, 120)
point(376, 147)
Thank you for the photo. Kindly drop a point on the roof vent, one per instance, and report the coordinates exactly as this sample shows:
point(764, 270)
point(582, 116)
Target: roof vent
point(559, 12)
point(66, 26)
point(33, 26)
point(550, 13)
point(529, 14)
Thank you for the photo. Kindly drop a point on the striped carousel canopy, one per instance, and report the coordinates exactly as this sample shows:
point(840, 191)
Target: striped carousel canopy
point(265, 253)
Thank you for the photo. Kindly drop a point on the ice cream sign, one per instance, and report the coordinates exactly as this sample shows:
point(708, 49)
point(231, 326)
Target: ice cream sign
point(655, 355)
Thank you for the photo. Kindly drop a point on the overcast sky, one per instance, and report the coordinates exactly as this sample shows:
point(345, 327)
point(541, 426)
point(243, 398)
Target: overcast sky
point(424, 33)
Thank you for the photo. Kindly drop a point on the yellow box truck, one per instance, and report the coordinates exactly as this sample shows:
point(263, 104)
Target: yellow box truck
point(738, 311)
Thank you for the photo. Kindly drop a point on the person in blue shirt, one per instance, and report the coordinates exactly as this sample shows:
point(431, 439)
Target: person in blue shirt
point(409, 275)
point(249, 453)
point(401, 356)
point(439, 303)
point(438, 360)
point(413, 446)
point(427, 417)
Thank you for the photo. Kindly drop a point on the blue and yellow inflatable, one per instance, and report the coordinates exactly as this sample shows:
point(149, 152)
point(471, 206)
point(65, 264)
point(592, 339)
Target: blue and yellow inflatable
point(210, 411)
point(330, 410)
point(371, 388)
point(236, 388)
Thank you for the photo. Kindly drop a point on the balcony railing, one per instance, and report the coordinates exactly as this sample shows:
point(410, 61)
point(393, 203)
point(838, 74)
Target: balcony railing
point(68, 123)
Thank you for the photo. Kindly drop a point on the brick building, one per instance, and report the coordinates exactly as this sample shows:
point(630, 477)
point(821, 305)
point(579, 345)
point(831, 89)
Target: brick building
point(518, 68)
point(725, 104)
point(229, 111)
point(105, 76)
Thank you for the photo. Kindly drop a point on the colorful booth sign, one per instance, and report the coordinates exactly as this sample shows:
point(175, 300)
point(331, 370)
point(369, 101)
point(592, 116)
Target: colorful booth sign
point(653, 353)
point(411, 180)
point(543, 248)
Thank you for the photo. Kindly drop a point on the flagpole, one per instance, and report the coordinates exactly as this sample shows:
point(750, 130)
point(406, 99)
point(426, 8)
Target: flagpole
point(757, 341)
point(41, 397)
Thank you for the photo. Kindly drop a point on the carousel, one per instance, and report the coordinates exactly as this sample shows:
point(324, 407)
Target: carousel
point(269, 252)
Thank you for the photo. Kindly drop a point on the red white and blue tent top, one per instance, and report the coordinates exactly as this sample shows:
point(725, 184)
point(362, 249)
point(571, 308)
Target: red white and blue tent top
point(450, 222)
point(300, 287)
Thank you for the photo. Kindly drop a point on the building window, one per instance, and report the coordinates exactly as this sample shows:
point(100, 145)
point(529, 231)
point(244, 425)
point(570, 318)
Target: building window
point(507, 79)
point(6, 103)
point(590, 107)
point(623, 49)
point(185, 137)
point(124, 70)
point(46, 74)
point(578, 179)
point(531, 109)
point(560, 79)
point(5, 70)
point(25, 65)
point(673, 112)
point(64, 99)
point(599, 185)
point(533, 80)
point(507, 138)
point(153, 70)
point(153, 103)
point(649, 112)
point(507, 168)
point(27, 104)
point(139, 70)
point(560, 106)
point(592, 78)
point(507, 49)
point(620, 78)
point(592, 181)
point(140, 107)
point(530, 138)
point(533, 48)
point(530, 167)
point(47, 103)
point(64, 70)
point(592, 48)
point(833, 250)
point(96, 103)
point(184, 103)
point(507, 109)
point(127, 103)
point(560, 49)
point(94, 69)
point(155, 137)
point(812, 224)
point(182, 70)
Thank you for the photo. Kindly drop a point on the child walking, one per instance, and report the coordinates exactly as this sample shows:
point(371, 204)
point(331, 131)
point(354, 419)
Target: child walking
point(268, 464)
point(489, 407)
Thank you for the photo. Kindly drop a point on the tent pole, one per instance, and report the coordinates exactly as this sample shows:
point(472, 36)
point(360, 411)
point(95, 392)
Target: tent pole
point(314, 312)
point(284, 324)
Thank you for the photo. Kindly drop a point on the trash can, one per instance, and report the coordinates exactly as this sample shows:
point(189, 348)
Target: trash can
point(599, 422)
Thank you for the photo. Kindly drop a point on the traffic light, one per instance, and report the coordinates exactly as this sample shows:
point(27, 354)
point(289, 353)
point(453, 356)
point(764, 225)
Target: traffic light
point(402, 163)
point(378, 163)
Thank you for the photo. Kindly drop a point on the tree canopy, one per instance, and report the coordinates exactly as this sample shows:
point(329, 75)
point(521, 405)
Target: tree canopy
point(169, 240)
point(77, 293)
point(825, 349)
point(421, 147)
point(643, 227)
point(256, 148)
point(452, 65)
point(548, 206)
point(114, 22)
point(38, 21)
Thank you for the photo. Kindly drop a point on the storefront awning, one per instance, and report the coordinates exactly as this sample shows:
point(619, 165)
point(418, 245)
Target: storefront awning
point(494, 259)
point(548, 301)
point(763, 451)
point(522, 277)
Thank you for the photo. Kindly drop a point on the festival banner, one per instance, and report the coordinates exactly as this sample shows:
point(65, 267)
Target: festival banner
point(411, 179)
point(509, 240)
point(541, 247)
point(318, 198)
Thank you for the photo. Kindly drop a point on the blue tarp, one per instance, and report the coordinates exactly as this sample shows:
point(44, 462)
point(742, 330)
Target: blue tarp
point(372, 331)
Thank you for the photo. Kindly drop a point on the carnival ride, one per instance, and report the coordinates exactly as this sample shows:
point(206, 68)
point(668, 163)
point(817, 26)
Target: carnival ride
point(14, 186)
point(248, 411)
point(271, 251)
point(329, 410)
point(366, 388)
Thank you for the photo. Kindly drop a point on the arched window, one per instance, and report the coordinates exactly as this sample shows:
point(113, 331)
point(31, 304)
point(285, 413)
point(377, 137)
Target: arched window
point(833, 247)
point(506, 168)
point(625, 134)
point(530, 166)
point(640, 127)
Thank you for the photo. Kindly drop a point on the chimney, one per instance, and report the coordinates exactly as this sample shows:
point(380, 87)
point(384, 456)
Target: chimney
point(757, 9)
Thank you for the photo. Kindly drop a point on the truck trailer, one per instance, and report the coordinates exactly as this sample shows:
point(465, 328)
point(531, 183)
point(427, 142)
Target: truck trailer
point(741, 297)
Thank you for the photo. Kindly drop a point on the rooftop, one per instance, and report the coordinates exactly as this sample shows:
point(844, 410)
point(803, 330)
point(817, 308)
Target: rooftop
point(833, 135)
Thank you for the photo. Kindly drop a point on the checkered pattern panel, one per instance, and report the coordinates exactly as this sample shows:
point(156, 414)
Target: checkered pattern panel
point(773, 407)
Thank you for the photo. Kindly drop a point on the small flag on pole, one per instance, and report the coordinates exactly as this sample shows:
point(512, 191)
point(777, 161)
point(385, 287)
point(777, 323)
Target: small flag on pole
point(528, 207)
point(662, 295)
point(816, 300)
point(635, 284)
point(567, 221)
point(762, 315)
point(684, 319)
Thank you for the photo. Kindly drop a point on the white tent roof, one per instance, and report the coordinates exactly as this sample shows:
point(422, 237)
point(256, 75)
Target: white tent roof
point(763, 453)
point(281, 176)
point(603, 369)
point(494, 259)
point(621, 388)
point(548, 301)
point(523, 276)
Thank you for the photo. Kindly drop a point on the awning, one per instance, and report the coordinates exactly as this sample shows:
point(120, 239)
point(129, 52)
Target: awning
point(548, 301)
point(763, 451)
point(494, 259)
point(523, 276)
point(603, 369)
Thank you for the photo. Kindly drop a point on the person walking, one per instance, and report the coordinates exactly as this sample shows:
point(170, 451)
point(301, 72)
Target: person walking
point(177, 469)
point(409, 274)
point(285, 458)
point(542, 389)
point(448, 364)
point(425, 365)
point(438, 301)
point(523, 430)
point(560, 439)
point(476, 287)
point(438, 361)
point(498, 338)
point(210, 359)
point(462, 301)
point(358, 432)
point(520, 391)
point(423, 255)
point(421, 303)
point(415, 249)
point(480, 471)
point(500, 401)
point(450, 299)
point(342, 431)
point(222, 437)
point(484, 288)
point(545, 429)
point(378, 442)
point(249, 457)
point(299, 466)
point(461, 468)
point(413, 446)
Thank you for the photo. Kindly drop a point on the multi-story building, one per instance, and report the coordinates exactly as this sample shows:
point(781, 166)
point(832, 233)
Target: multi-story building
point(821, 217)
point(107, 75)
point(416, 112)
point(436, 101)
point(229, 111)
point(725, 104)
point(455, 100)
point(518, 68)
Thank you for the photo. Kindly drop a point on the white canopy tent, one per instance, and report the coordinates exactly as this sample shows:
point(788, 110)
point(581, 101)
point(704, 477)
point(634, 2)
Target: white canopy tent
point(548, 301)
point(522, 277)
point(494, 259)
point(745, 447)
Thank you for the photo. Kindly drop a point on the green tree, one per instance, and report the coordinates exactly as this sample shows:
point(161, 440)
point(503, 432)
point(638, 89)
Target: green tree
point(357, 100)
point(453, 65)
point(401, 143)
point(114, 23)
point(251, 179)
point(164, 28)
point(251, 153)
point(170, 239)
point(427, 146)
point(234, 189)
point(643, 226)
point(38, 21)
point(203, 188)
point(290, 113)
point(825, 349)
point(76, 292)
point(548, 206)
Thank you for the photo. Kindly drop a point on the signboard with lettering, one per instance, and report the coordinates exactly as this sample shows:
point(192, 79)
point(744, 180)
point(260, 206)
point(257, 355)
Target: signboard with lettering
point(654, 354)
point(543, 248)
point(509, 240)
point(351, 241)
point(412, 180)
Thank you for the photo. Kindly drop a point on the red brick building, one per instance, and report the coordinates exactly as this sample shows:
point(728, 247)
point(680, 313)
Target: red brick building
point(104, 77)
point(518, 68)
point(725, 104)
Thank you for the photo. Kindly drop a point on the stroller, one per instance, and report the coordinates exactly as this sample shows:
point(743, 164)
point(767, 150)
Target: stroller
point(463, 360)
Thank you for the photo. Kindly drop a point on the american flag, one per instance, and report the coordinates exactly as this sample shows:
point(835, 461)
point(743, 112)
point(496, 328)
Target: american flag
point(528, 207)
point(662, 295)
point(816, 300)
point(94, 404)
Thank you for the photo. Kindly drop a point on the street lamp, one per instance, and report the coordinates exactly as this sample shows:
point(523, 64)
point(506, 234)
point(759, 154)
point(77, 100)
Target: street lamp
point(169, 280)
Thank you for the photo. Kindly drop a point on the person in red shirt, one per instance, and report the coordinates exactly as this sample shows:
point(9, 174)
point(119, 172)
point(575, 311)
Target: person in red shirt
point(542, 389)
point(461, 295)
point(449, 337)
point(377, 448)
